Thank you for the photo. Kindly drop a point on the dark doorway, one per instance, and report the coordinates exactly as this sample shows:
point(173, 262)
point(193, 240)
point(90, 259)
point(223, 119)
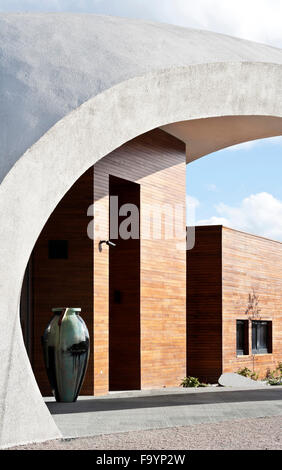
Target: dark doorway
point(124, 289)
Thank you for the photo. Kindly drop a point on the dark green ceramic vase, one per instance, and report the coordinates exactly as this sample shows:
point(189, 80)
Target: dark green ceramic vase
point(65, 345)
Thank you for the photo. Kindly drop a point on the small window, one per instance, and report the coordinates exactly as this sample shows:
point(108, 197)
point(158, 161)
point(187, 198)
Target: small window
point(261, 337)
point(242, 344)
point(58, 249)
point(117, 296)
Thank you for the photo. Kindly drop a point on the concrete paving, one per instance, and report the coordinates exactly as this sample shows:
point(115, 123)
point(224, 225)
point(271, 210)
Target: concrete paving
point(156, 409)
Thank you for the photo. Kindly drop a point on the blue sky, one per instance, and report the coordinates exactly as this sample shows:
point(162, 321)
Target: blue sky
point(239, 187)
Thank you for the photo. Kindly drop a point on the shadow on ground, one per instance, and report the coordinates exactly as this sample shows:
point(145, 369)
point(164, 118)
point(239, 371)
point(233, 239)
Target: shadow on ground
point(177, 399)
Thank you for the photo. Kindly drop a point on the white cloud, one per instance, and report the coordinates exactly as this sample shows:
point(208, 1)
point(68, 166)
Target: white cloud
point(211, 187)
point(257, 20)
point(192, 201)
point(244, 146)
point(259, 213)
point(191, 204)
point(253, 143)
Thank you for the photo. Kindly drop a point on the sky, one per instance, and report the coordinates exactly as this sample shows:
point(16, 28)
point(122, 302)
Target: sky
point(240, 186)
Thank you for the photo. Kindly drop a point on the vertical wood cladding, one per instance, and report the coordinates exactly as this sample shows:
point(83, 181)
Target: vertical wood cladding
point(64, 282)
point(204, 305)
point(251, 264)
point(101, 283)
point(156, 161)
point(224, 268)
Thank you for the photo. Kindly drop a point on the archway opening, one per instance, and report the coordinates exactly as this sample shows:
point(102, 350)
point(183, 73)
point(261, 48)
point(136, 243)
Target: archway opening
point(98, 127)
point(132, 295)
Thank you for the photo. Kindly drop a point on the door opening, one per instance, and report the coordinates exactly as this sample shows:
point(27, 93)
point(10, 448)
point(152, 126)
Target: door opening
point(124, 293)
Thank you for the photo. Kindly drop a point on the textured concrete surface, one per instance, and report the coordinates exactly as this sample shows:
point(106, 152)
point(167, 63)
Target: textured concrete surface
point(136, 411)
point(52, 63)
point(244, 434)
point(67, 109)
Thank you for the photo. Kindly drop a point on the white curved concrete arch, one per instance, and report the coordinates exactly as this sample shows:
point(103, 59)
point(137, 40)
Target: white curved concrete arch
point(42, 175)
point(52, 63)
point(203, 136)
point(46, 171)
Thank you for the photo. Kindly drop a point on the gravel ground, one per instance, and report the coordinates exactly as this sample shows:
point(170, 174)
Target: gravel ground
point(251, 434)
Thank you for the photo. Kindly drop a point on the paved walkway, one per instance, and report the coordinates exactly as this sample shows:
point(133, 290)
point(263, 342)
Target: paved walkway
point(165, 408)
point(247, 434)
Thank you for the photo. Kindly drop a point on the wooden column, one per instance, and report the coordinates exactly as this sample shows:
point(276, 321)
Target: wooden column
point(101, 282)
point(156, 161)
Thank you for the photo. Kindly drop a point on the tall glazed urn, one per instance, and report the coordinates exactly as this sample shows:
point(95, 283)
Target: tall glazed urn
point(65, 345)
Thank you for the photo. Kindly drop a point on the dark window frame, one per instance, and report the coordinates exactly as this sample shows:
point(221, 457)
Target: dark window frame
point(58, 249)
point(261, 337)
point(242, 337)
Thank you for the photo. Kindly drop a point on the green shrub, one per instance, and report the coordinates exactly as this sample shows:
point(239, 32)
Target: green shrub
point(192, 382)
point(247, 373)
point(275, 381)
point(274, 377)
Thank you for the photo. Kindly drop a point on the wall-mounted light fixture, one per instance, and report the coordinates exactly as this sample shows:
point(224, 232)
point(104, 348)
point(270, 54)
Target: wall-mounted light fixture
point(107, 242)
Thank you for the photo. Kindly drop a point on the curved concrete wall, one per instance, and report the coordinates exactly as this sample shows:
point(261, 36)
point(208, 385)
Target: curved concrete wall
point(208, 135)
point(43, 174)
point(52, 63)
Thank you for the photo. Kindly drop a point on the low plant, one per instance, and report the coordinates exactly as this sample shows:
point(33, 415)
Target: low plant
point(192, 382)
point(274, 377)
point(275, 381)
point(248, 373)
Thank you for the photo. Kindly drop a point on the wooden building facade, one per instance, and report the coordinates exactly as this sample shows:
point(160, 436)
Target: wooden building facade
point(155, 312)
point(132, 295)
point(234, 303)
